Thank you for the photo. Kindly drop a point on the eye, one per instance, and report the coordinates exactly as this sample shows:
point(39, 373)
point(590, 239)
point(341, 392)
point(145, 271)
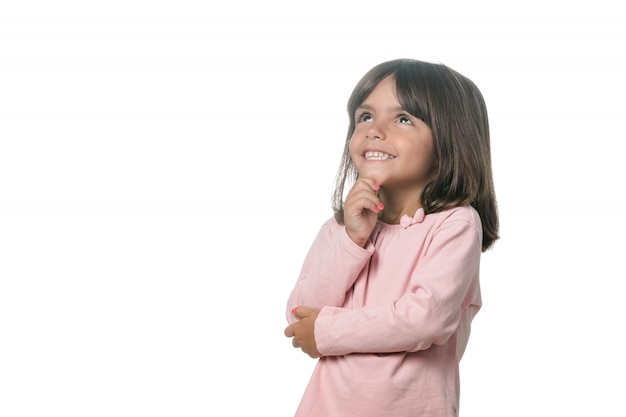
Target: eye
point(363, 117)
point(404, 120)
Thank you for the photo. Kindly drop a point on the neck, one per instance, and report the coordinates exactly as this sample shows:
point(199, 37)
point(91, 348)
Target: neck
point(398, 204)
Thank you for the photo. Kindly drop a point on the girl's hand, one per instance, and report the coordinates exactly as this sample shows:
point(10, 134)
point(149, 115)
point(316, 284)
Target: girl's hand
point(303, 332)
point(360, 210)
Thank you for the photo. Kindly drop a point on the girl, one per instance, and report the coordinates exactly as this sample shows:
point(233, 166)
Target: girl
point(390, 285)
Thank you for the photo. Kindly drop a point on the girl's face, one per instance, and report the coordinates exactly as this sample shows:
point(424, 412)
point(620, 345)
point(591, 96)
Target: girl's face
point(389, 145)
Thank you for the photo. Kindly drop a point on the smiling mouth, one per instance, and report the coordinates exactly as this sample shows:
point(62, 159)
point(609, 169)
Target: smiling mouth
point(377, 156)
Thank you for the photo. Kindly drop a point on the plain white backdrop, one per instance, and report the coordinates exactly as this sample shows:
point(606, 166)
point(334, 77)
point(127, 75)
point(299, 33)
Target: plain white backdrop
point(165, 165)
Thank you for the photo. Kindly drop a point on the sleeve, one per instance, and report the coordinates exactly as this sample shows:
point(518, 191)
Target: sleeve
point(443, 285)
point(330, 268)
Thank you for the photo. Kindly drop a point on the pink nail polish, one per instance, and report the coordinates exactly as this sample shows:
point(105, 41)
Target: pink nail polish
point(376, 186)
point(293, 310)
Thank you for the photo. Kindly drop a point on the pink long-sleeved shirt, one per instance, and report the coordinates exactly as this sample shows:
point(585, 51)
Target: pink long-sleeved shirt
point(395, 316)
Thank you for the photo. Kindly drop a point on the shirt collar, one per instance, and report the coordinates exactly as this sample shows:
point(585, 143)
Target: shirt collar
point(406, 220)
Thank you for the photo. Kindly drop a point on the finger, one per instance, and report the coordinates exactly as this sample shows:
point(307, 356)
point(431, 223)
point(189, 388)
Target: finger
point(289, 332)
point(302, 311)
point(365, 185)
point(371, 185)
point(371, 182)
point(362, 191)
point(361, 202)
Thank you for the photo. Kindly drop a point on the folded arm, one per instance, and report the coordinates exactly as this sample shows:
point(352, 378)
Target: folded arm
point(329, 270)
point(443, 287)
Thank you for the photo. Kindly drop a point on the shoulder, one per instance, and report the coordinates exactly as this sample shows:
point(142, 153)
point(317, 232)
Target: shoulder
point(467, 214)
point(330, 228)
point(332, 224)
point(457, 220)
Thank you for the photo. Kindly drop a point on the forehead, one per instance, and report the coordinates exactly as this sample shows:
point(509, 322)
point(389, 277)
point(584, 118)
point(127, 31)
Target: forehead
point(385, 92)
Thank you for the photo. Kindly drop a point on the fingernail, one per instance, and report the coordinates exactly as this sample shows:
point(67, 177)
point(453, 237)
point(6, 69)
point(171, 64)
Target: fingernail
point(381, 206)
point(377, 209)
point(293, 310)
point(376, 186)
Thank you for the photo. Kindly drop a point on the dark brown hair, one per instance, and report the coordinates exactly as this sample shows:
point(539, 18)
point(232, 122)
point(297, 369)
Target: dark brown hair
point(454, 109)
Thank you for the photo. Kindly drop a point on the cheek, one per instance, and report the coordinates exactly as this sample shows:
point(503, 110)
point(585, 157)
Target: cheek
point(432, 161)
point(429, 152)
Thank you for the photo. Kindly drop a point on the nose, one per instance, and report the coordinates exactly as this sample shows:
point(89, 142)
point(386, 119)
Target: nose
point(375, 132)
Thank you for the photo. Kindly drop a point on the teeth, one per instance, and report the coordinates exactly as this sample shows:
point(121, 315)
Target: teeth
point(377, 156)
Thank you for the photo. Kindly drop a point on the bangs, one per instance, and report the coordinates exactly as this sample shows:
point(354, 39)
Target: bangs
point(411, 87)
point(412, 92)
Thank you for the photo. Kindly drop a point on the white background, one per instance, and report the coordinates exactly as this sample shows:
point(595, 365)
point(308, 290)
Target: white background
point(165, 165)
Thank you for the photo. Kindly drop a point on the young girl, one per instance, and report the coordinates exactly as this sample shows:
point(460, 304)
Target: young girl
point(390, 285)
